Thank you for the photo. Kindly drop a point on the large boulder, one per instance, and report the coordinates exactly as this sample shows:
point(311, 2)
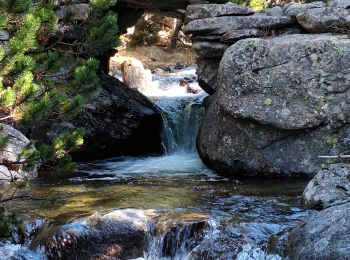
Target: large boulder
point(12, 162)
point(327, 19)
point(328, 187)
point(119, 121)
point(224, 24)
point(325, 235)
point(201, 11)
point(215, 27)
point(280, 103)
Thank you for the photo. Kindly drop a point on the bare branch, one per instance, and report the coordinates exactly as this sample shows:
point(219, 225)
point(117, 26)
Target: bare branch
point(334, 156)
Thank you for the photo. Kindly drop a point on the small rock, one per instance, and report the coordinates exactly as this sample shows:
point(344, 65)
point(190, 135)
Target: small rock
point(209, 49)
point(235, 35)
point(274, 11)
point(192, 89)
point(328, 187)
point(11, 153)
point(81, 11)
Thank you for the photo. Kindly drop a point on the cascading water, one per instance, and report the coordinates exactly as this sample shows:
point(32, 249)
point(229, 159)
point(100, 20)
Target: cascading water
point(182, 118)
point(201, 215)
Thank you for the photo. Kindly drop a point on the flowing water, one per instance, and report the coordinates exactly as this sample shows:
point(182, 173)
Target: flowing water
point(246, 219)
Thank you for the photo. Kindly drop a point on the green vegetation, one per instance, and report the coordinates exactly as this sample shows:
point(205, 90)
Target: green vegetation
point(256, 5)
point(48, 71)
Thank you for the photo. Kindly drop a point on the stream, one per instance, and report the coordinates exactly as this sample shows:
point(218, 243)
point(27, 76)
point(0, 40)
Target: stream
point(245, 219)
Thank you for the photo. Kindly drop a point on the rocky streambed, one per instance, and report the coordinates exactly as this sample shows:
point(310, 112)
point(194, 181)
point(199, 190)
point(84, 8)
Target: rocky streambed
point(189, 215)
point(157, 207)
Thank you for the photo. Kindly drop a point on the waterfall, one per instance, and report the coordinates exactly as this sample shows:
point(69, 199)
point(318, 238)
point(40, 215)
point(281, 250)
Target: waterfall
point(182, 117)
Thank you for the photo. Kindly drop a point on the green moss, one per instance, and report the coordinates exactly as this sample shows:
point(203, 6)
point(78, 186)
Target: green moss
point(268, 101)
point(332, 140)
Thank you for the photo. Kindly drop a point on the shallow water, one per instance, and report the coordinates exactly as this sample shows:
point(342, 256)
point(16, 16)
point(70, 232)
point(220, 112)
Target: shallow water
point(251, 212)
point(248, 219)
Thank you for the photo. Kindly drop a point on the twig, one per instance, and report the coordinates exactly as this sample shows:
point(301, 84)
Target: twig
point(334, 156)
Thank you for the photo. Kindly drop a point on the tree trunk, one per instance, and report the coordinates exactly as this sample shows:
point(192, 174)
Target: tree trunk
point(176, 33)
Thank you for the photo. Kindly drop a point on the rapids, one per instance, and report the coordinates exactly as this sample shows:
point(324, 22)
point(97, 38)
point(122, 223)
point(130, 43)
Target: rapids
point(248, 219)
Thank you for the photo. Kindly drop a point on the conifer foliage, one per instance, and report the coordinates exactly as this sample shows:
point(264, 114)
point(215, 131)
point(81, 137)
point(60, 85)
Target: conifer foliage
point(48, 69)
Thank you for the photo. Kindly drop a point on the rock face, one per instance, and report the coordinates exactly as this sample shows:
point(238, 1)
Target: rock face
point(328, 187)
point(280, 103)
point(202, 11)
point(207, 70)
point(215, 27)
point(325, 235)
point(119, 121)
point(11, 153)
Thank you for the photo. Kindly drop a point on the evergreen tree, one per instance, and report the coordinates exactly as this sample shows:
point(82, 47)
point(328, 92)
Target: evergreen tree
point(45, 76)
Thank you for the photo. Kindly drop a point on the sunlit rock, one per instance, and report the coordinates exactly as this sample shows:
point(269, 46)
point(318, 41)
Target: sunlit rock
point(13, 162)
point(135, 76)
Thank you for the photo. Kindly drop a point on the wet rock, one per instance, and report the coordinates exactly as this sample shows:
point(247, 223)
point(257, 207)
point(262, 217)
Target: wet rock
point(328, 187)
point(325, 235)
point(13, 166)
point(207, 71)
point(176, 234)
point(120, 234)
point(321, 20)
point(293, 9)
point(201, 11)
point(279, 103)
point(193, 89)
point(119, 121)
